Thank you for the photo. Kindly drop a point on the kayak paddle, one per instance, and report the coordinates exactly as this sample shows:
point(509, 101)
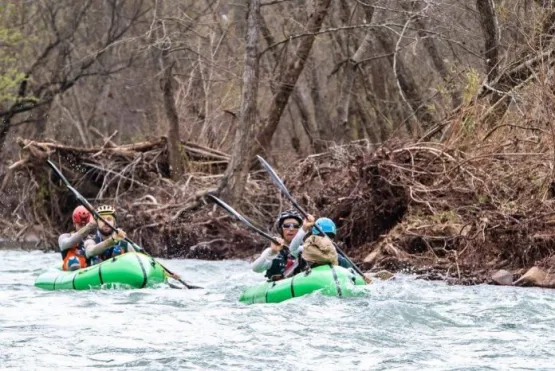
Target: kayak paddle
point(234, 212)
point(277, 181)
point(89, 207)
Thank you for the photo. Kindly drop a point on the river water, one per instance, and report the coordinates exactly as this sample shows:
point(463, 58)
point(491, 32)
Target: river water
point(405, 324)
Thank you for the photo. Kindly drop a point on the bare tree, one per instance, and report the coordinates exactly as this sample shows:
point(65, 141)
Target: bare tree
point(174, 140)
point(168, 91)
point(490, 29)
point(288, 78)
point(408, 88)
point(235, 177)
point(67, 58)
point(429, 42)
point(350, 73)
point(97, 70)
point(520, 70)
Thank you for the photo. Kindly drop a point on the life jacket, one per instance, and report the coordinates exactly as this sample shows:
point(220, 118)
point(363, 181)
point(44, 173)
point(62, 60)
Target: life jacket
point(298, 266)
point(281, 263)
point(76, 252)
point(118, 249)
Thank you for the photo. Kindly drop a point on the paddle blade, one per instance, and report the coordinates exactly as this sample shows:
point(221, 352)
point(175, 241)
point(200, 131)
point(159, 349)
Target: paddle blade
point(192, 287)
point(82, 200)
point(275, 178)
point(278, 182)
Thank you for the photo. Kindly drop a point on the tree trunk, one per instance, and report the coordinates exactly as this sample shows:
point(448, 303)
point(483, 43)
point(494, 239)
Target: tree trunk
point(196, 99)
point(369, 125)
point(321, 116)
point(80, 122)
point(407, 85)
point(349, 78)
point(174, 141)
point(40, 122)
point(522, 68)
point(233, 182)
point(288, 79)
point(375, 93)
point(309, 126)
point(175, 158)
point(4, 130)
point(437, 60)
point(239, 18)
point(308, 123)
point(488, 20)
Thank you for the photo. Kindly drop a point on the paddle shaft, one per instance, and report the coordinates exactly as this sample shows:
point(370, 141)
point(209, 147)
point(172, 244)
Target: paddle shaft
point(277, 181)
point(97, 216)
point(251, 226)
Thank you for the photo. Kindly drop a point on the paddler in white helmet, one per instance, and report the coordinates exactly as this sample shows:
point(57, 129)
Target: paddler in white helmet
point(106, 243)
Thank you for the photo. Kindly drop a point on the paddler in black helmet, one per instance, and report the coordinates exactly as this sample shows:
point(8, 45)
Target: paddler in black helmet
point(106, 243)
point(275, 260)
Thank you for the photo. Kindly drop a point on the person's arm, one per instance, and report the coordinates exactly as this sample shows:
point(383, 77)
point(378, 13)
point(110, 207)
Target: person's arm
point(297, 242)
point(69, 240)
point(264, 261)
point(93, 249)
point(295, 247)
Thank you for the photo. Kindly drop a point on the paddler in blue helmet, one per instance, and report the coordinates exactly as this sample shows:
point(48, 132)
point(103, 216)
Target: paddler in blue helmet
point(106, 244)
point(314, 248)
point(276, 260)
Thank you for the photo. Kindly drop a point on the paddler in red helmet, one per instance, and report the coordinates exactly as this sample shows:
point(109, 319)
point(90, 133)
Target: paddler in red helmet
point(71, 244)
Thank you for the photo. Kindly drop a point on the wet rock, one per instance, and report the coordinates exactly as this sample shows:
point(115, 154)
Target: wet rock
point(384, 275)
point(431, 276)
point(372, 257)
point(31, 236)
point(503, 277)
point(536, 277)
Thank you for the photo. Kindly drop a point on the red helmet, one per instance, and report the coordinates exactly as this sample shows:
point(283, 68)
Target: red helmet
point(81, 215)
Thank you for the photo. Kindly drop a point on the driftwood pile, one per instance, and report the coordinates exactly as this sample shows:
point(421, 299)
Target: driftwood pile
point(446, 212)
point(133, 176)
point(436, 210)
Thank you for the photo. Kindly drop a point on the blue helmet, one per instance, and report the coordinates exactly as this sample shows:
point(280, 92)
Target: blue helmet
point(326, 225)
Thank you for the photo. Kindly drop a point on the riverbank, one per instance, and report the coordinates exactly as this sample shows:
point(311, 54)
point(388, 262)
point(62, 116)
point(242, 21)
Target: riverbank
point(452, 212)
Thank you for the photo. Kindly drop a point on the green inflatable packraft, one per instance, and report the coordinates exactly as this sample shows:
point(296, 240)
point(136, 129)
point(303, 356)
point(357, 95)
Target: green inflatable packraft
point(132, 269)
point(331, 280)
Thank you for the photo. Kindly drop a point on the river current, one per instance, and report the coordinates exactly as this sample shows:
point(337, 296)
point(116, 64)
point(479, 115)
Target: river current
point(404, 324)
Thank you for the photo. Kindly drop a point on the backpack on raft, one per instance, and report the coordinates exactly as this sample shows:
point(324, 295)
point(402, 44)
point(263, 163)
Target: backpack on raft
point(319, 250)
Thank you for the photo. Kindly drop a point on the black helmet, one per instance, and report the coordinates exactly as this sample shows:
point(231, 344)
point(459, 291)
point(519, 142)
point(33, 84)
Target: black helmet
point(288, 214)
